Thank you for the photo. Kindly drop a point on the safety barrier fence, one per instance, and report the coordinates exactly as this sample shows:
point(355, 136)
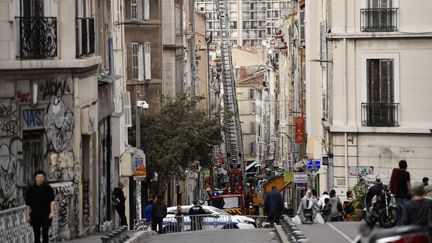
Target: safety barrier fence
point(293, 233)
point(116, 236)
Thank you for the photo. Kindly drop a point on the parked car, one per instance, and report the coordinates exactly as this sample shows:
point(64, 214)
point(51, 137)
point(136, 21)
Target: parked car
point(213, 219)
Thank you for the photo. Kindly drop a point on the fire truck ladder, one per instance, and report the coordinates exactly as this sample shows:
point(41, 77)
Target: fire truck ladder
point(233, 134)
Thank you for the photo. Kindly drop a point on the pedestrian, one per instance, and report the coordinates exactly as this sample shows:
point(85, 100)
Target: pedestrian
point(273, 203)
point(40, 207)
point(418, 210)
point(347, 205)
point(196, 212)
point(305, 209)
point(159, 213)
point(321, 200)
point(425, 181)
point(336, 210)
point(148, 211)
point(403, 186)
point(119, 203)
point(326, 210)
point(179, 218)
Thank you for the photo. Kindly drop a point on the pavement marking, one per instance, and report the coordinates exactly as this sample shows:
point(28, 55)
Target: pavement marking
point(340, 232)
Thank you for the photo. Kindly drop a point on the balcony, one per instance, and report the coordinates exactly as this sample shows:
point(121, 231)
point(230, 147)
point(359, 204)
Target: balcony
point(37, 37)
point(380, 114)
point(378, 19)
point(85, 36)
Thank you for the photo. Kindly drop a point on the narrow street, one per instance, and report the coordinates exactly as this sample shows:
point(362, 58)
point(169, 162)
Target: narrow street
point(220, 236)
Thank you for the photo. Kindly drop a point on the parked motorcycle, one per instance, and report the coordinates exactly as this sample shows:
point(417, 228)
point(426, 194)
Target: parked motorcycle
point(379, 205)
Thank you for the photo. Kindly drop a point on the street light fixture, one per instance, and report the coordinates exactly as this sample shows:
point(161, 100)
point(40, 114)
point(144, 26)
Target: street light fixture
point(140, 104)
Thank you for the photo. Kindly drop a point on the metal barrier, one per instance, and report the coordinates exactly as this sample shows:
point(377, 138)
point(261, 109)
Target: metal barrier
point(141, 225)
point(291, 230)
point(13, 226)
point(260, 221)
point(116, 236)
point(174, 224)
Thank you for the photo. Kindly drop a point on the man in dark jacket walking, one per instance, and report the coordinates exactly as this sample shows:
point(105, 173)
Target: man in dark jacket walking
point(40, 207)
point(118, 200)
point(274, 206)
point(159, 213)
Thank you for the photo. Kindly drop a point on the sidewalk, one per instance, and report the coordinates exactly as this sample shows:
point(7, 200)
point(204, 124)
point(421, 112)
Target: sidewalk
point(134, 236)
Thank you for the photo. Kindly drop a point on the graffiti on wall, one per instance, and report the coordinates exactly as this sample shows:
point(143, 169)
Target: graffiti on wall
point(63, 192)
point(59, 125)
point(9, 125)
point(11, 171)
point(32, 118)
point(60, 166)
point(86, 202)
point(54, 88)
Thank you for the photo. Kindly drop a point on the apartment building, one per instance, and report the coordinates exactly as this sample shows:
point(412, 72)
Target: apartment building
point(251, 21)
point(143, 37)
point(49, 99)
point(372, 73)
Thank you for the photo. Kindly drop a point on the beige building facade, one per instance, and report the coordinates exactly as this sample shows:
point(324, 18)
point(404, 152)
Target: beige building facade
point(374, 90)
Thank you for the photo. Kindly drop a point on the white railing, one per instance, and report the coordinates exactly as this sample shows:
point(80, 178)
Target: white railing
point(13, 226)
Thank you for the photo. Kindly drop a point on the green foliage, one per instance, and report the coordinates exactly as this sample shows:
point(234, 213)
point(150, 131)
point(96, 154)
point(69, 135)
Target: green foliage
point(177, 137)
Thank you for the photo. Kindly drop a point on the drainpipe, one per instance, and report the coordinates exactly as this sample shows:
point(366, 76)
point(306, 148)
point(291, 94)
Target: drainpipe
point(345, 95)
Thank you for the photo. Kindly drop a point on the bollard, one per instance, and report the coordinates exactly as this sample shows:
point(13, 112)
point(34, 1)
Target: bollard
point(105, 239)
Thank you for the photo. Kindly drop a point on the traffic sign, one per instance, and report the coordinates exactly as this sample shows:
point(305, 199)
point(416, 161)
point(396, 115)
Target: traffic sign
point(300, 177)
point(313, 165)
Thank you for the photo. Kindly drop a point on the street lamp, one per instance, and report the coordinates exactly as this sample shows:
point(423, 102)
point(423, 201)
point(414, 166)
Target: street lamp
point(143, 105)
point(140, 105)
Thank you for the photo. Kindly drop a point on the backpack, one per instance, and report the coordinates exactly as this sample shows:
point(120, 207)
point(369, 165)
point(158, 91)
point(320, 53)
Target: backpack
point(393, 181)
point(327, 209)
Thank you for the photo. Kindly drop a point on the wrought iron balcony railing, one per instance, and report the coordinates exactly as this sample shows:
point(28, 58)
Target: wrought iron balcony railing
point(85, 36)
point(380, 114)
point(379, 19)
point(37, 37)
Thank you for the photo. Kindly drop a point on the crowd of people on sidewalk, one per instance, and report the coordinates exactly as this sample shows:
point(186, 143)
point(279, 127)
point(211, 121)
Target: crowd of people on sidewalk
point(412, 206)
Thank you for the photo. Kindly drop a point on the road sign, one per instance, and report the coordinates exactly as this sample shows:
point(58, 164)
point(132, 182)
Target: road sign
point(300, 178)
point(313, 165)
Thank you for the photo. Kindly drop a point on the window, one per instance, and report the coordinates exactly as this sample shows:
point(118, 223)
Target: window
point(252, 127)
point(252, 108)
point(33, 154)
point(135, 60)
point(380, 108)
point(379, 15)
point(251, 94)
point(140, 9)
point(134, 10)
point(252, 148)
point(141, 61)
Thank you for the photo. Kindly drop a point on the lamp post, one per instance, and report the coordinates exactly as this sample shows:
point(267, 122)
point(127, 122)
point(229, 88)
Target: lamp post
point(140, 105)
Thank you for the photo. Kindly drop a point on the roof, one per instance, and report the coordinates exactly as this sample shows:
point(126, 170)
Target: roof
point(256, 81)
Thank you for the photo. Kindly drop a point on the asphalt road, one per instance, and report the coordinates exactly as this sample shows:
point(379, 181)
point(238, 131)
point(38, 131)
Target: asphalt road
point(218, 236)
point(334, 232)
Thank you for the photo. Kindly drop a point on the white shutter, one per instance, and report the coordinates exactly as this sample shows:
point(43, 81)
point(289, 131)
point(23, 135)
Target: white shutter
point(140, 62)
point(147, 61)
point(50, 8)
point(14, 7)
point(146, 9)
point(127, 109)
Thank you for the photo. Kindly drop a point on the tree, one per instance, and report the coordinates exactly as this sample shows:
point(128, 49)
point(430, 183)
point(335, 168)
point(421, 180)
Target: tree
point(177, 137)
